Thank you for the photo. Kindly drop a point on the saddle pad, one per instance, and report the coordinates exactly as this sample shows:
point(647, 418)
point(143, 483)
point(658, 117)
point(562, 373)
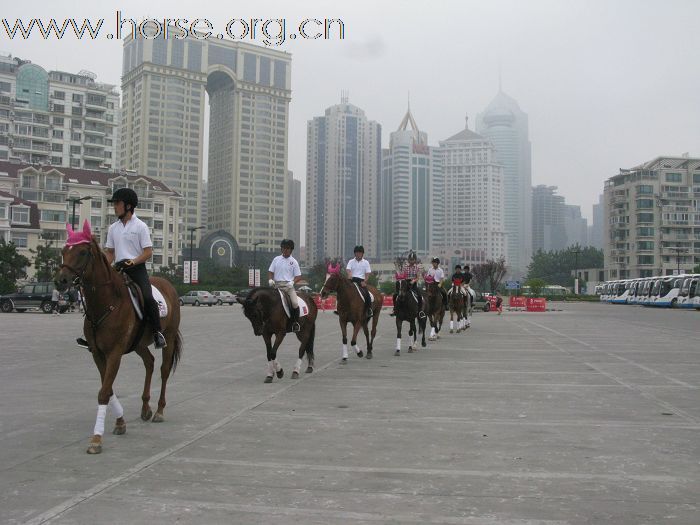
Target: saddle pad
point(303, 308)
point(371, 297)
point(162, 305)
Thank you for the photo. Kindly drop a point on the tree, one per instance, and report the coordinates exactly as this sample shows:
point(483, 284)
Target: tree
point(46, 261)
point(12, 266)
point(536, 286)
point(557, 267)
point(317, 276)
point(490, 274)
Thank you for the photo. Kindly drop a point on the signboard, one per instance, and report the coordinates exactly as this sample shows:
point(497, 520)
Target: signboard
point(253, 278)
point(512, 285)
point(186, 272)
point(492, 302)
point(388, 300)
point(517, 301)
point(257, 277)
point(536, 304)
point(195, 272)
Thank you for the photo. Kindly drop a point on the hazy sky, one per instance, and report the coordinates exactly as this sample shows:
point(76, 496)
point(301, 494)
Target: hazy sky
point(606, 84)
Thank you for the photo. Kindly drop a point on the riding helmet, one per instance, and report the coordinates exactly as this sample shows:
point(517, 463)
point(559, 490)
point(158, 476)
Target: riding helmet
point(412, 256)
point(436, 260)
point(359, 248)
point(125, 195)
point(287, 243)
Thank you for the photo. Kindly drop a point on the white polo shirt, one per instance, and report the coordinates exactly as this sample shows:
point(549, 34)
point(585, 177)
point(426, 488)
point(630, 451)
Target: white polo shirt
point(358, 268)
point(284, 269)
point(128, 241)
point(437, 273)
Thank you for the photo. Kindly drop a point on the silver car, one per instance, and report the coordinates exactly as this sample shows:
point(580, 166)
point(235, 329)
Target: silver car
point(198, 298)
point(222, 296)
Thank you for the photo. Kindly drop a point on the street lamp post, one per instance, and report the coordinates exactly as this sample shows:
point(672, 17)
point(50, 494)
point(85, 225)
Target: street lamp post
point(76, 200)
point(255, 247)
point(576, 252)
point(192, 230)
point(678, 258)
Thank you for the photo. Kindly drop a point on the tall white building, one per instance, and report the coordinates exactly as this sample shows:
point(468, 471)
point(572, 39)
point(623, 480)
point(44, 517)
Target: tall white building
point(473, 182)
point(57, 118)
point(342, 182)
point(506, 125)
point(163, 87)
point(411, 209)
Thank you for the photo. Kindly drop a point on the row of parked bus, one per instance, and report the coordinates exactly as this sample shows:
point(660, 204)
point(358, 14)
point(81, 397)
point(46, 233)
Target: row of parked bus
point(670, 291)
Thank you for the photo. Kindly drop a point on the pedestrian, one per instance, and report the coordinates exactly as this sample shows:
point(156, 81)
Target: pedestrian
point(499, 303)
point(55, 297)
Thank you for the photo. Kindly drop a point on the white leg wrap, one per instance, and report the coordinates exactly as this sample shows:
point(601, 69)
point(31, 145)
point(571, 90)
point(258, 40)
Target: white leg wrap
point(432, 332)
point(345, 351)
point(452, 324)
point(116, 407)
point(270, 368)
point(100, 420)
point(297, 367)
point(277, 365)
point(357, 349)
point(398, 343)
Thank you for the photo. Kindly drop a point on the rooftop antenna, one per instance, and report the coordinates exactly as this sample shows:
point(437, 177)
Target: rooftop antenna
point(466, 121)
point(344, 96)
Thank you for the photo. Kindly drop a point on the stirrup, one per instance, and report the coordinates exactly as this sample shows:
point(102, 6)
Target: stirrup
point(159, 340)
point(82, 343)
point(296, 327)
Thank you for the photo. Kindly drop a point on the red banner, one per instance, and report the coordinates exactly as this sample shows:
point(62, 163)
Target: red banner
point(388, 301)
point(536, 304)
point(517, 301)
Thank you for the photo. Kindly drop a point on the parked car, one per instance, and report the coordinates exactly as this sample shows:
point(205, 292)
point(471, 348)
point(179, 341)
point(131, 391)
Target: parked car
point(482, 302)
point(32, 295)
point(243, 293)
point(198, 298)
point(222, 296)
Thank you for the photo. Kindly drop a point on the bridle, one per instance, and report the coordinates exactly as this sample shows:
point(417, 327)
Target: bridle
point(78, 280)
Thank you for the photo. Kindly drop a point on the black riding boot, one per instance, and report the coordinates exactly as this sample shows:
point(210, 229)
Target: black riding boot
point(393, 313)
point(295, 319)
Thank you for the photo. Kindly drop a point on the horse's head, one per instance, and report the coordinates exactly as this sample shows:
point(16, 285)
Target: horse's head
point(404, 286)
point(253, 310)
point(78, 255)
point(331, 284)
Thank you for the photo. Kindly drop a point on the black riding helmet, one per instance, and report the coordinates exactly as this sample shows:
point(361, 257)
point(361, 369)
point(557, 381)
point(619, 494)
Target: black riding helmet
point(125, 195)
point(436, 260)
point(287, 243)
point(412, 256)
point(359, 248)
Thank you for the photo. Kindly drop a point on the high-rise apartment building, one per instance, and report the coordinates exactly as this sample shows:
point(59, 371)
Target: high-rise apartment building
point(548, 231)
point(249, 87)
point(343, 161)
point(473, 195)
point(652, 219)
point(506, 126)
point(57, 118)
point(294, 210)
point(411, 209)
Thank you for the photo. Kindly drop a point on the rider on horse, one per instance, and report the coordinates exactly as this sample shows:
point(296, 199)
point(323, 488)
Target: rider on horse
point(411, 270)
point(438, 275)
point(129, 242)
point(359, 270)
point(459, 280)
point(283, 273)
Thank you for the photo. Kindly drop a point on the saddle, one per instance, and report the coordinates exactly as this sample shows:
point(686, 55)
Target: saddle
point(359, 290)
point(303, 307)
point(136, 296)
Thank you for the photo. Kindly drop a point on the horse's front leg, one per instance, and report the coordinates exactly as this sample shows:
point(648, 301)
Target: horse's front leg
point(355, 330)
point(276, 368)
point(412, 336)
point(110, 373)
point(399, 322)
point(373, 333)
point(148, 362)
point(344, 331)
point(267, 337)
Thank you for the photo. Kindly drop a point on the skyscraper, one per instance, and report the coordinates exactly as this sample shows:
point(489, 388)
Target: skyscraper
point(163, 85)
point(342, 181)
point(473, 193)
point(294, 209)
point(412, 198)
point(597, 229)
point(506, 125)
point(575, 226)
point(548, 231)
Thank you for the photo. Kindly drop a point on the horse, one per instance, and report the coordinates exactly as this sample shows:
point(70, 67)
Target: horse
point(407, 310)
point(435, 308)
point(112, 327)
point(263, 308)
point(456, 302)
point(352, 309)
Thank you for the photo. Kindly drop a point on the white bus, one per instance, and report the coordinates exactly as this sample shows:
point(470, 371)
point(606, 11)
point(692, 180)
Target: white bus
point(689, 295)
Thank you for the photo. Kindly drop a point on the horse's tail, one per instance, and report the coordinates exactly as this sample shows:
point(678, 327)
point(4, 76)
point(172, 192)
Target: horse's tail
point(310, 344)
point(177, 353)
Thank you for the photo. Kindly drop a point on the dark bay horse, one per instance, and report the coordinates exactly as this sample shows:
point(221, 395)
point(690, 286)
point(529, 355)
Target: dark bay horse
point(352, 309)
point(263, 307)
point(456, 303)
point(407, 311)
point(113, 329)
point(434, 308)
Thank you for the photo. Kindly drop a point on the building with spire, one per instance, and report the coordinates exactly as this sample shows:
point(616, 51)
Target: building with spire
point(342, 183)
point(473, 197)
point(411, 193)
point(506, 126)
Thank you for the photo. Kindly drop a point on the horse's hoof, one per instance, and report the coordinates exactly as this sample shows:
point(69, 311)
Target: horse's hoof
point(360, 354)
point(410, 350)
point(295, 375)
point(146, 416)
point(94, 448)
point(280, 374)
point(119, 430)
point(452, 331)
point(158, 418)
point(423, 344)
point(369, 355)
point(268, 379)
point(309, 369)
point(397, 353)
point(344, 361)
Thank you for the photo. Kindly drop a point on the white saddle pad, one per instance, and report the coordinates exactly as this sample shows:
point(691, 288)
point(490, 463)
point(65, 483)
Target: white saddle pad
point(303, 307)
point(371, 297)
point(162, 305)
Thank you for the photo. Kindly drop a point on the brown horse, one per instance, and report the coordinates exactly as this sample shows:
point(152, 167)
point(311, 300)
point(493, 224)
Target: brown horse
point(113, 329)
point(263, 307)
point(352, 309)
point(457, 304)
point(434, 308)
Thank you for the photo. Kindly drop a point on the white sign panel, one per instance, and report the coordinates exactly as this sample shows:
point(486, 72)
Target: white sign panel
point(195, 272)
point(186, 272)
